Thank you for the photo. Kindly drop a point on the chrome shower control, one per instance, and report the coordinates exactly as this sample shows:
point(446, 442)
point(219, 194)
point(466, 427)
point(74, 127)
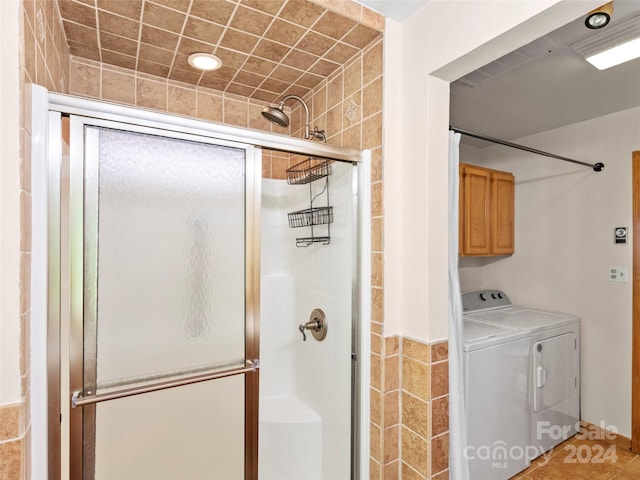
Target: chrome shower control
point(317, 325)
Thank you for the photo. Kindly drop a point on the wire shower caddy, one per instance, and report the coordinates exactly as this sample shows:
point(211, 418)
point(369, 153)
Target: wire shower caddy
point(307, 172)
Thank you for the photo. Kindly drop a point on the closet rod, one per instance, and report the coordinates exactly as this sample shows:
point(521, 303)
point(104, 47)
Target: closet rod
point(597, 167)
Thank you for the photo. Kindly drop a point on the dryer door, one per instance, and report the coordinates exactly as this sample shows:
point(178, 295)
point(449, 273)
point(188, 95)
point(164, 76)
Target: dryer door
point(555, 370)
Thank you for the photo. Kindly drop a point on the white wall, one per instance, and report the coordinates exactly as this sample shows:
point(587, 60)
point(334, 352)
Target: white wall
point(9, 205)
point(565, 217)
point(431, 45)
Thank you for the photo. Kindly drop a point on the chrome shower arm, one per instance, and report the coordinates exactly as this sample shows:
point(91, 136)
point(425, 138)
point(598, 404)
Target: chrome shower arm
point(306, 111)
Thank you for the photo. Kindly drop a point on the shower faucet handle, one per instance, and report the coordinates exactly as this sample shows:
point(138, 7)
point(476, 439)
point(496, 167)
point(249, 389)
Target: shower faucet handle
point(312, 325)
point(317, 325)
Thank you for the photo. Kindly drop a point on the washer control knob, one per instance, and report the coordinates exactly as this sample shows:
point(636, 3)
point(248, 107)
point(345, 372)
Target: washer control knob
point(499, 295)
point(494, 296)
point(483, 297)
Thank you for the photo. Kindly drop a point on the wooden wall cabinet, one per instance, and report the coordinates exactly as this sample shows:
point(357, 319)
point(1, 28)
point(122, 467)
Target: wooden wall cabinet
point(486, 211)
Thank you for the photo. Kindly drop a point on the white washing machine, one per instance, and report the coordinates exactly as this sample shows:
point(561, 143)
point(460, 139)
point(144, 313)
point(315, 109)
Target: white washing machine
point(554, 364)
point(496, 364)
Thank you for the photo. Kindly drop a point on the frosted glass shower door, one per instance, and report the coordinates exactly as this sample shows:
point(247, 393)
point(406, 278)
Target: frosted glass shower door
point(167, 305)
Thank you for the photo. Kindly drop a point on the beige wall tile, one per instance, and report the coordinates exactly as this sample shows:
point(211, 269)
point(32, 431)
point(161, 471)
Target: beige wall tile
point(377, 304)
point(416, 350)
point(236, 112)
point(334, 90)
point(256, 120)
point(209, 106)
point(377, 269)
point(151, 94)
point(439, 415)
point(353, 77)
point(391, 373)
point(376, 234)
point(376, 164)
point(391, 471)
point(372, 98)
point(372, 19)
point(84, 79)
point(440, 453)
point(416, 378)
point(351, 137)
point(182, 100)
point(415, 415)
point(440, 351)
point(11, 464)
point(376, 371)
point(372, 63)
point(391, 445)
point(439, 379)
point(443, 475)
point(376, 200)
point(391, 408)
point(415, 452)
point(376, 327)
point(375, 406)
point(409, 473)
point(118, 87)
point(319, 102)
point(279, 168)
point(392, 345)
point(9, 422)
point(376, 344)
point(376, 442)
point(372, 131)
point(375, 470)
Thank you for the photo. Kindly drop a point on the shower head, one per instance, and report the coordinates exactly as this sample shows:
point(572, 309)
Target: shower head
point(276, 115)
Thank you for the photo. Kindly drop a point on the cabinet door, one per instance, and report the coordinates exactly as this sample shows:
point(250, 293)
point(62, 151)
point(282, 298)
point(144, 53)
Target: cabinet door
point(476, 211)
point(502, 191)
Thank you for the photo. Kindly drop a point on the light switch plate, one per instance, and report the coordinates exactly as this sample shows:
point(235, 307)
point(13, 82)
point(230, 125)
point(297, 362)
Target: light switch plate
point(617, 274)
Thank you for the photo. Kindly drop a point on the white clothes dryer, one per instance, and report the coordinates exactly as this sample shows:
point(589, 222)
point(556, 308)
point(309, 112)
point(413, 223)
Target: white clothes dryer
point(554, 363)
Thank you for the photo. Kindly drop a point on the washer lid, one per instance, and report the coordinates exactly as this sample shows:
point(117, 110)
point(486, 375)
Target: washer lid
point(531, 320)
point(477, 335)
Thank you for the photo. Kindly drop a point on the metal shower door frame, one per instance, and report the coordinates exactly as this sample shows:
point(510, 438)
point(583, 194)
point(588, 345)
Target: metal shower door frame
point(83, 211)
point(51, 106)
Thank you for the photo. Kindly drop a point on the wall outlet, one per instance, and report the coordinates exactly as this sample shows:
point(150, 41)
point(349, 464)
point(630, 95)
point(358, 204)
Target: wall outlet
point(617, 274)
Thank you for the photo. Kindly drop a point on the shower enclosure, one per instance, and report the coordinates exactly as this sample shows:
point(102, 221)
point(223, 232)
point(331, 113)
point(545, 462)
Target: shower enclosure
point(176, 296)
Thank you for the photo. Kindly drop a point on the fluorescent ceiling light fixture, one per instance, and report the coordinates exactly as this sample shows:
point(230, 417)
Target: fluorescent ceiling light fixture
point(615, 56)
point(204, 61)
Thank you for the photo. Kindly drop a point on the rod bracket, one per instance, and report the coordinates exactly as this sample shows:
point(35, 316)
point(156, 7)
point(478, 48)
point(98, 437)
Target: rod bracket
point(598, 167)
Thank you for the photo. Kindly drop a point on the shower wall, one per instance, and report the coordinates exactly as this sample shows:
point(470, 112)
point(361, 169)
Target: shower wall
point(305, 387)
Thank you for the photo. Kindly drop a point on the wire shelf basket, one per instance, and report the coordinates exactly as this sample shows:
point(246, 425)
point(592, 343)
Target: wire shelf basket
point(310, 217)
point(307, 171)
point(307, 241)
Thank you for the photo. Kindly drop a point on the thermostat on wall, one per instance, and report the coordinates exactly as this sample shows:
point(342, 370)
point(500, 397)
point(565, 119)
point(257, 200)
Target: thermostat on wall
point(620, 235)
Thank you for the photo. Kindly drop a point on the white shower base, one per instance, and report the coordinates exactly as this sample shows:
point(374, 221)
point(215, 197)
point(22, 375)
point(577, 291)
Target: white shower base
point(290, 439)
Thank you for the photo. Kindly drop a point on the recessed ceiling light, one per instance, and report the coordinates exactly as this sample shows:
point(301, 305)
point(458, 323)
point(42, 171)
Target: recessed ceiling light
point(615, 56)
point(204, 61)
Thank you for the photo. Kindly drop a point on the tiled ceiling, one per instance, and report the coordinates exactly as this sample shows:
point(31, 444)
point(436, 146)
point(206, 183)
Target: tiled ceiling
point(269, 48)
